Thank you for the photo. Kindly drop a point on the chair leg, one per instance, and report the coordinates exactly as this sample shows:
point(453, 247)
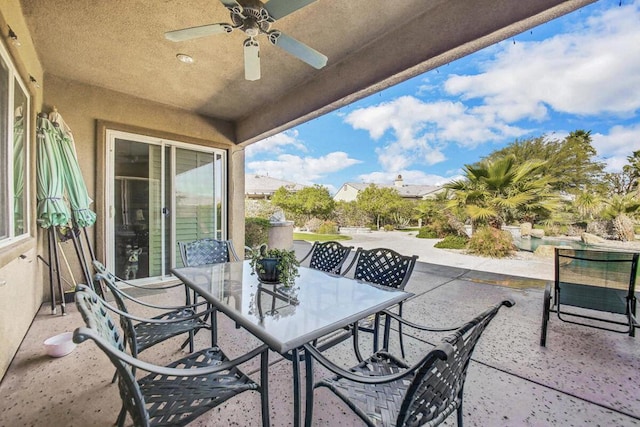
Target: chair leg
point(121, 417)
point(459, 414)
point(546, 305)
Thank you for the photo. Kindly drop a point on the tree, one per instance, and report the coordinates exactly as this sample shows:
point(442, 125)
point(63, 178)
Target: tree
point(378, 201)
point(569, 162)
point(309, 202)
point(495, 191)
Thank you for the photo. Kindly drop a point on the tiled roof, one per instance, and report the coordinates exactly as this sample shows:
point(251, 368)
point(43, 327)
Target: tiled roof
point(406, 190)
point(262, 184)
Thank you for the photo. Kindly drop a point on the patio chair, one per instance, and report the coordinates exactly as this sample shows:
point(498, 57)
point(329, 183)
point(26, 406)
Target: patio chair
point(327, 256)
point(385, 391)
point(175, 394)
point(601, 281)
point(143, 333)
point(207, 251)
point(384, 267)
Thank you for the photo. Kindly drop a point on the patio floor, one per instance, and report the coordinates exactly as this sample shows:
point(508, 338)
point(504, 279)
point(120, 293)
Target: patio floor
point(583, 377)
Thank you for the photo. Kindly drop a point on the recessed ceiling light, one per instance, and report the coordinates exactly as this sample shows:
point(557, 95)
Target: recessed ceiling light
point(184, 58)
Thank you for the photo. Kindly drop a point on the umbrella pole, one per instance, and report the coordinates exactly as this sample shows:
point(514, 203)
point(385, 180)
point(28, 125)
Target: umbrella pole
point(63, 305)
point(86, 237)
point(50, 265)
point(77, 244)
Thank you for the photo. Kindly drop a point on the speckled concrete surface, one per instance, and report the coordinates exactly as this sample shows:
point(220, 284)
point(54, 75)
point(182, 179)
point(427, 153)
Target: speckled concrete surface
point(584, 377)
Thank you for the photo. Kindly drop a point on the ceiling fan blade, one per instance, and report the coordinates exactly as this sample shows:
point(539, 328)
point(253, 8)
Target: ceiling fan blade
point(280, 8)
point(195, 32)
point(233, 6)
point(251, 60)
point(298, 49)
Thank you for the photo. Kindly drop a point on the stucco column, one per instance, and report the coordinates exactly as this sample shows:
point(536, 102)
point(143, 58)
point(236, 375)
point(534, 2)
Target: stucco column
point(236, 197)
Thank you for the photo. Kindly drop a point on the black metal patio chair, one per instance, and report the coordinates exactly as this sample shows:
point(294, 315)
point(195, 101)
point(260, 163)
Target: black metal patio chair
point(143, 332)
point(175, 394)
point(327, 256)
point(385, 391)
point(384, 267)
point(587, 282)
point(207, 251)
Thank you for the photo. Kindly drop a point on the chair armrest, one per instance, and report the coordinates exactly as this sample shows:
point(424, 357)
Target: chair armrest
point(442, 352)
point(197, 315)
point(159, 307)
point(405, 322)
point(313, 247)
point(82, 334)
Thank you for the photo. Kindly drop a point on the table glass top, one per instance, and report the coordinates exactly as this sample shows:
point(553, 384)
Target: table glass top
point(286, 318)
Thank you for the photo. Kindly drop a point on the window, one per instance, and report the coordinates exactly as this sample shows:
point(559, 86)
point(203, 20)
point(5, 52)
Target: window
point(14, 153)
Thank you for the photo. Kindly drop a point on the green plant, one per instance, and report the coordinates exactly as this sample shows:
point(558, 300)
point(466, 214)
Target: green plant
point(452, 242)
point(256, 231)
point(427, 233)
point(491, 242)
point(328, 227)
point(286, 265)
point(388, 227)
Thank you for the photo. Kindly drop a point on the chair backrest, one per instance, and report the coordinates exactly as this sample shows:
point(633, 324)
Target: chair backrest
point(436, 389)
point(126, 324)
point(383, 267)
point(329, 256)
point(597, 280)
point(103, 331)
point(206, 251)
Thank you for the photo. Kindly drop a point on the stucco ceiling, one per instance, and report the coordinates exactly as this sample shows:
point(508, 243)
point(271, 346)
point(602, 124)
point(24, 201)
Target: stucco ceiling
point(371, 44)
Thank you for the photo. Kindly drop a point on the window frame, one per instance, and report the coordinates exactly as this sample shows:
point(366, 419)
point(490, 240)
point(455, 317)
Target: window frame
point(15, 82)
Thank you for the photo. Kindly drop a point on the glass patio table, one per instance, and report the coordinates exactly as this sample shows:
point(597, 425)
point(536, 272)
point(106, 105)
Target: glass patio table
point(286, 319)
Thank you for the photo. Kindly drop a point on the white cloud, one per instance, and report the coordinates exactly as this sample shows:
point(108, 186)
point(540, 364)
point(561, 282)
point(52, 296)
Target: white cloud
point(421, 130)
point(617, 145)
point(302, 170)
point(592, 70)
point(276, 144)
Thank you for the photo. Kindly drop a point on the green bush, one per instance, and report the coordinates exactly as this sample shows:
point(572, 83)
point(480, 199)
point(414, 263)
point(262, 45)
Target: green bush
point(491, 242)
point(388, 227)
point(427, 233)
point(328, 227)
point(256, 231)
point(452, 242)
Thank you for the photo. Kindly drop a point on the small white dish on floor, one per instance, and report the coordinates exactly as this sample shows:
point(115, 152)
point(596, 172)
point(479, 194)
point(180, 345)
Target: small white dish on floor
point(60, 345)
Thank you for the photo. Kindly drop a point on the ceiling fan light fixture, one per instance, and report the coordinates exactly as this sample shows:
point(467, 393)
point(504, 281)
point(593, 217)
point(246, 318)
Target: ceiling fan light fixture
point(183, 57)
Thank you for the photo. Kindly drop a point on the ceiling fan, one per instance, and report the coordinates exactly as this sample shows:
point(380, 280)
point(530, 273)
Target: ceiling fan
point(255, 18)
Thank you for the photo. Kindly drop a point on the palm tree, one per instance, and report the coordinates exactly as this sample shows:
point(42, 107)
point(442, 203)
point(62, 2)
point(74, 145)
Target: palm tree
point(494, 191)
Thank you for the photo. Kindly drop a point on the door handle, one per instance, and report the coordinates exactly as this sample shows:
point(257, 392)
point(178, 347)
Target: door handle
point(165, 211)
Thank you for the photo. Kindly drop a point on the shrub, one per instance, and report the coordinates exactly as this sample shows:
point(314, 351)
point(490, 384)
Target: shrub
point(427, 233)
point(313, 225)
point(328, 227)
point(388, 227)
point(256, 231)
point(452, 242)
point(491, 242)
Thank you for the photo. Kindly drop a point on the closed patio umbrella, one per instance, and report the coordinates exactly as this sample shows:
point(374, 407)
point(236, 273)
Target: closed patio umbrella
point(18, 166)
point(52, 211)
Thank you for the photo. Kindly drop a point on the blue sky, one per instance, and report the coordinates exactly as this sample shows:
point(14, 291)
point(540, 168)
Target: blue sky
point(581, 71)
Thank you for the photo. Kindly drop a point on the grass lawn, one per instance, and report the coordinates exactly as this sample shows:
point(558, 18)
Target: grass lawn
point(312, 237)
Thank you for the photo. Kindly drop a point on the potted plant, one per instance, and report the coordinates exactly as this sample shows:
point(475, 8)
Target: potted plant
point(274, 265)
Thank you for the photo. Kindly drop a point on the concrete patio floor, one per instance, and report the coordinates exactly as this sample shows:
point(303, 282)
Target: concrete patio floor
point(583, 377)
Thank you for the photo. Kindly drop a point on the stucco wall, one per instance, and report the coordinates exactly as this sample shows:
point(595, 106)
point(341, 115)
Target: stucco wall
point(20, 286)
point(23, 285)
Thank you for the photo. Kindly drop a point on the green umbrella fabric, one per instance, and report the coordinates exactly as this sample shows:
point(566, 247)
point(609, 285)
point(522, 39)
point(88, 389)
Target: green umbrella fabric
point(74, 183)
point(18, 165)
point(52, 211)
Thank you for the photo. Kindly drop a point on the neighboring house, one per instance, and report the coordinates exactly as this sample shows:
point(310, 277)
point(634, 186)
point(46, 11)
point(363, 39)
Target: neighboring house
point(349, 190)
point(262, 186)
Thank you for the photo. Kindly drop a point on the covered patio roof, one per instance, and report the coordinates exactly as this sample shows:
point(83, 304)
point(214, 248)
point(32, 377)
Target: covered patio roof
point(370, 45)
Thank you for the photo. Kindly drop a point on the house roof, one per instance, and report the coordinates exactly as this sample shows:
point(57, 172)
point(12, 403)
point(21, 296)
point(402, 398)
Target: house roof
point(406, 190)
point(265, 185)
point(370, 45)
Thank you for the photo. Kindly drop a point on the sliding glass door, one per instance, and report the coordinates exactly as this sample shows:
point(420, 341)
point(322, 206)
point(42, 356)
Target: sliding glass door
point(160, 192)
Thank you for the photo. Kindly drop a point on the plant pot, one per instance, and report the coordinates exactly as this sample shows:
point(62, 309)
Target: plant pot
point(267, 270)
